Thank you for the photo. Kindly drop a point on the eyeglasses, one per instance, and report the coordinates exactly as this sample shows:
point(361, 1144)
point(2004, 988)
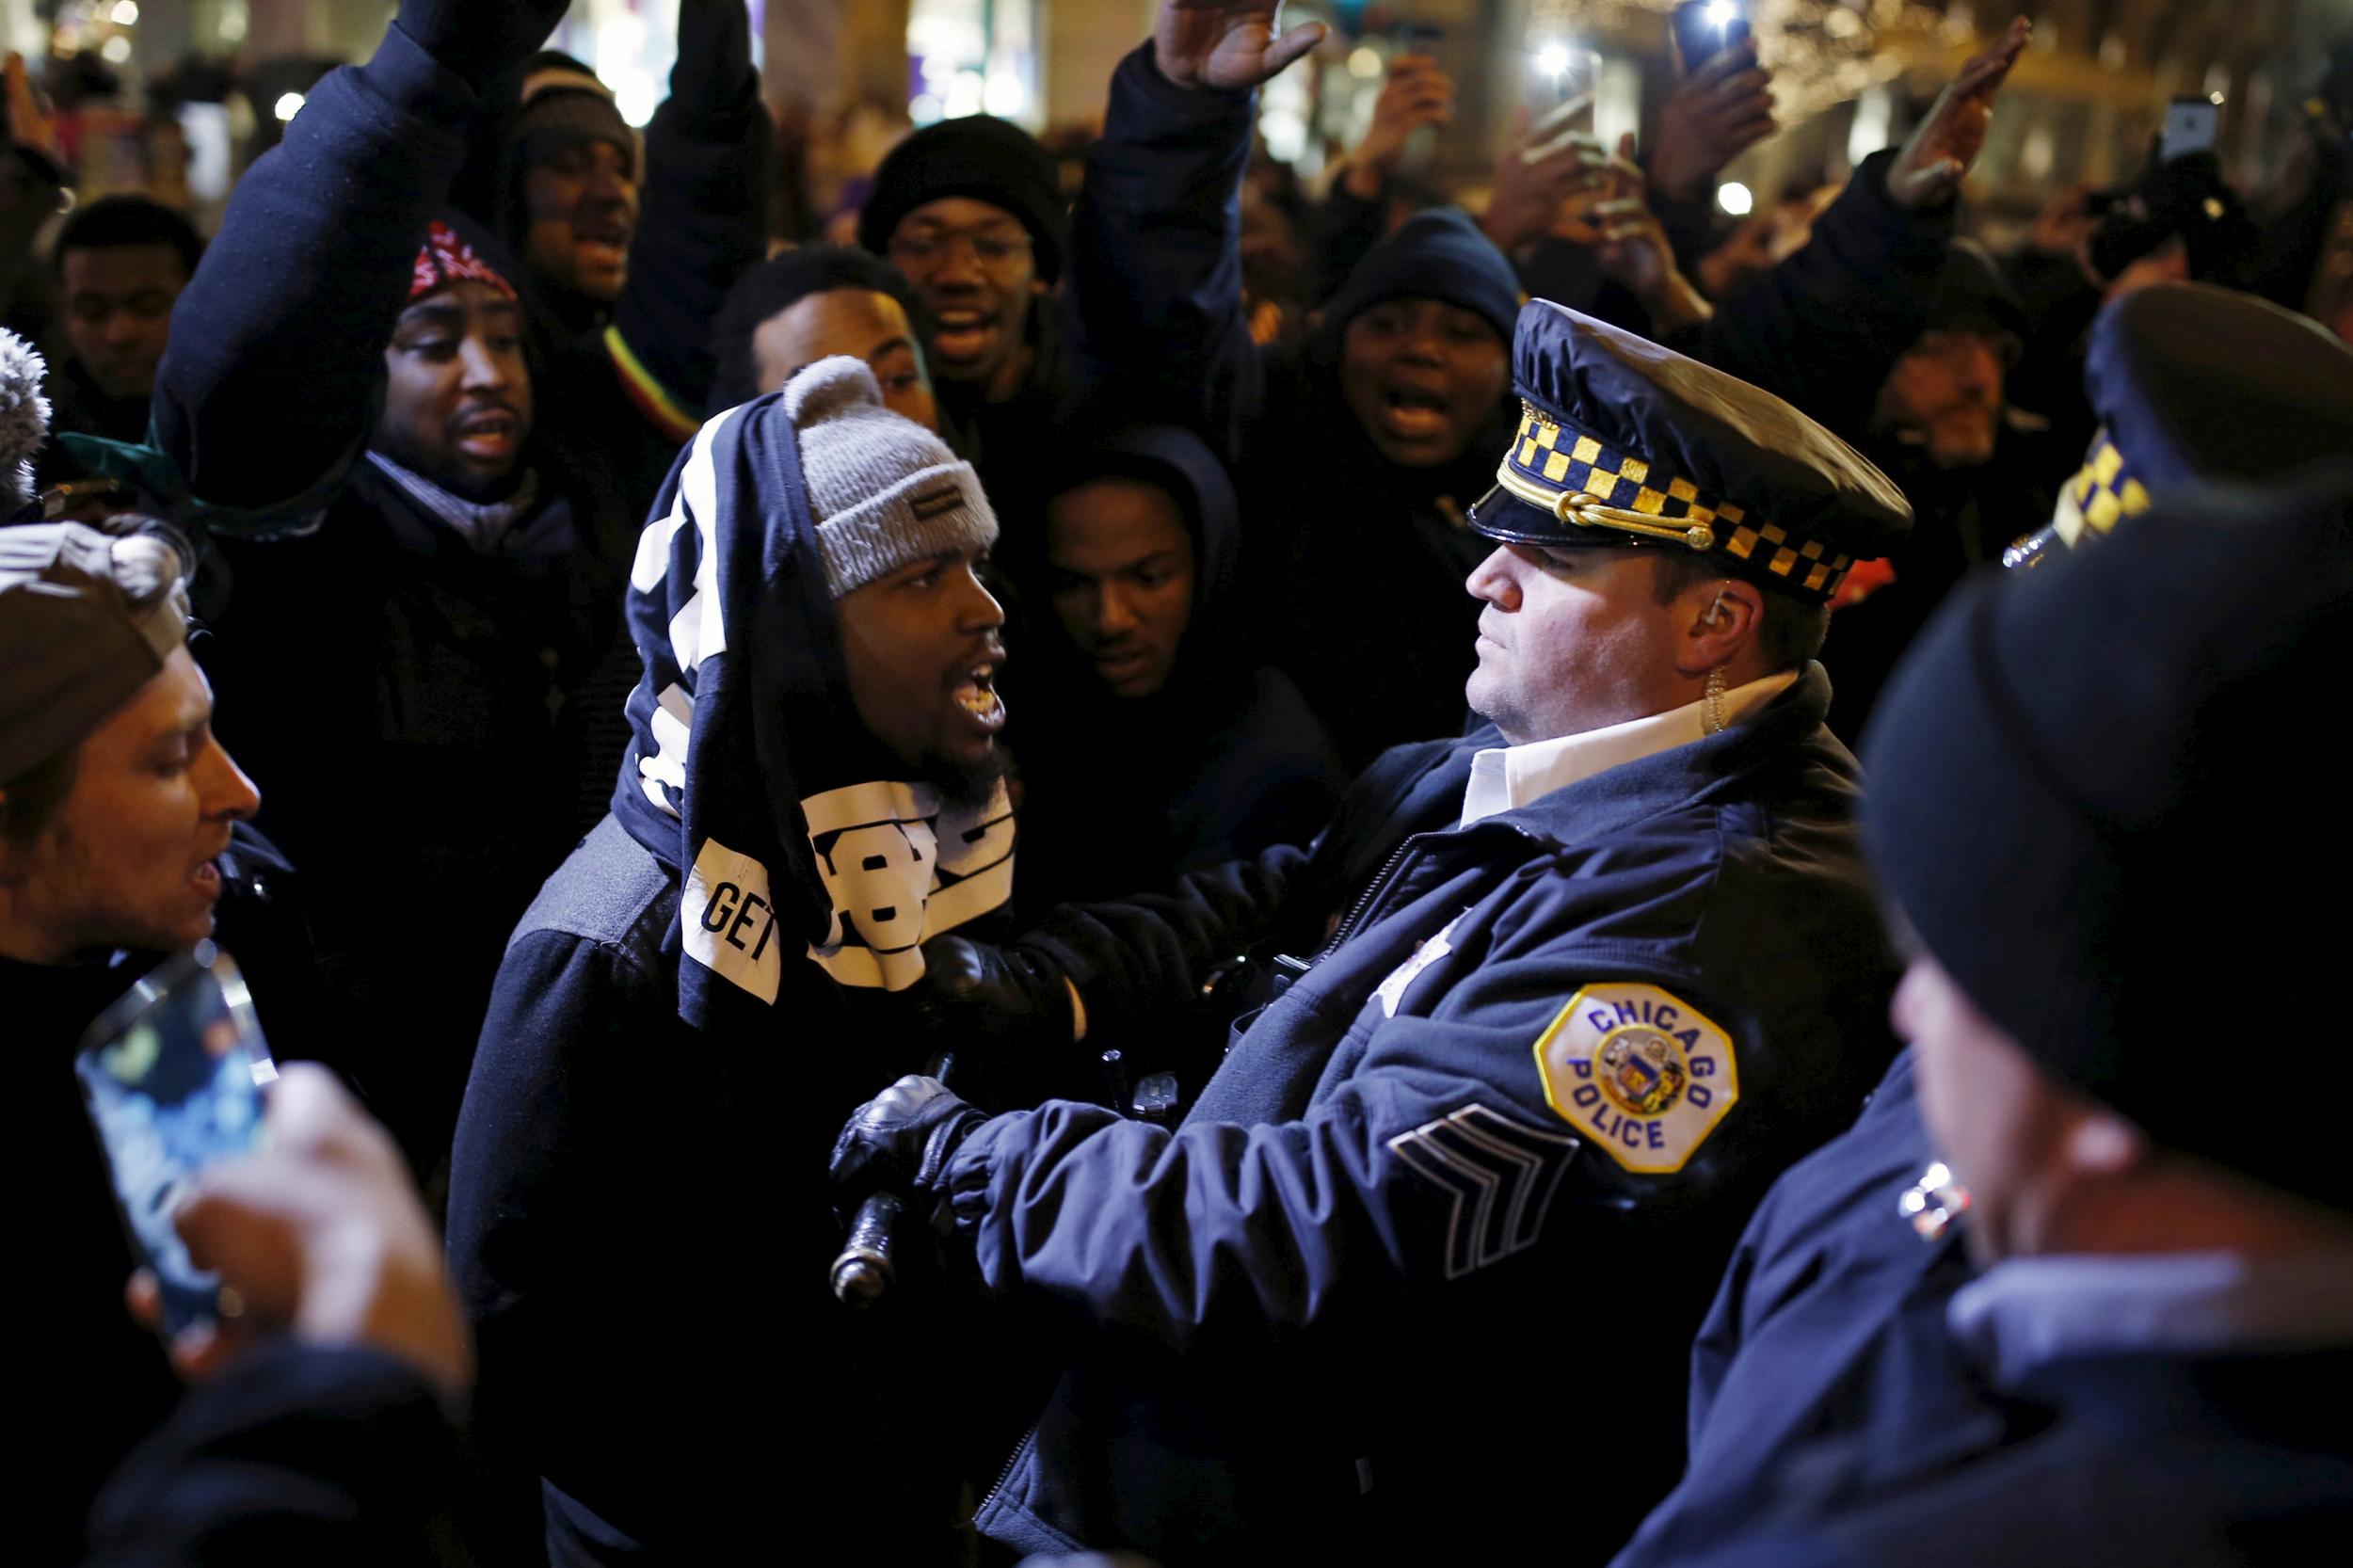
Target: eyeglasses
point(998, 251)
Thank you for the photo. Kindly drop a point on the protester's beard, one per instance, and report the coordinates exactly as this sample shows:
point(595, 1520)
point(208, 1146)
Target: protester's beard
point(966, 786)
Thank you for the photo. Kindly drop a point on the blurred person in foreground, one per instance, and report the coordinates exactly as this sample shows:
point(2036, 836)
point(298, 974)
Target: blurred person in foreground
point(1830, 1321)
point(2155, 1339)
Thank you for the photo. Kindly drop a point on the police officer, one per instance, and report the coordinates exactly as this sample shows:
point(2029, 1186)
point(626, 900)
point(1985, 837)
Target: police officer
point(2161, 1222)
point(1419, 1259)
point(2194, 384)
point(1832, 1315)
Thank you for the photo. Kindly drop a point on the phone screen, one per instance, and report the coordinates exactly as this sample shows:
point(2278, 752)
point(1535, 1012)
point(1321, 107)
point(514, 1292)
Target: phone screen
point(1562, 83)
point(2190, 127)
point(173, 1075)
point(1705, 29)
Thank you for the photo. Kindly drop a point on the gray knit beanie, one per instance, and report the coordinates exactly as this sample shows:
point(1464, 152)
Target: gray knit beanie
point(883, 489)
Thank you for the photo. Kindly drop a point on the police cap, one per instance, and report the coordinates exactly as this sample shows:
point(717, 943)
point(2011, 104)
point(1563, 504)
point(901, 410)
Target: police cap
point(1623, 443)
point(2193, 384)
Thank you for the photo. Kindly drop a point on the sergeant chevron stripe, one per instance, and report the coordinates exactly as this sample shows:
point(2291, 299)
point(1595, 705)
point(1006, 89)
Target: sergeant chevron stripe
point(1503, 1173)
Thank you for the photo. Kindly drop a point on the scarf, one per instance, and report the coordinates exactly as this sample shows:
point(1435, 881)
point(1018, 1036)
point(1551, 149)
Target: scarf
point(797, 836)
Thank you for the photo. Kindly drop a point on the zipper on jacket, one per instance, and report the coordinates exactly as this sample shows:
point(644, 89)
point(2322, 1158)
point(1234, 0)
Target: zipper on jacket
point(1381, 880)
point(1364, 901)
point(1011, 1458)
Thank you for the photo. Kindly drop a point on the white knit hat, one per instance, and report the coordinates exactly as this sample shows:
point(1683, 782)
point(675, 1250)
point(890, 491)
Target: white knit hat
point(883, 489)
point(23, 419)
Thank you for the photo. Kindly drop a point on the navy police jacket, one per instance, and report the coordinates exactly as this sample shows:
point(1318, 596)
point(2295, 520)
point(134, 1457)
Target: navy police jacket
point(1420, 1267)
point(1830, 1322)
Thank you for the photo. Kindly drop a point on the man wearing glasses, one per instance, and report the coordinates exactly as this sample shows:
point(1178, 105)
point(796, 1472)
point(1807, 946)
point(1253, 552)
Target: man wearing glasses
point(971, 211)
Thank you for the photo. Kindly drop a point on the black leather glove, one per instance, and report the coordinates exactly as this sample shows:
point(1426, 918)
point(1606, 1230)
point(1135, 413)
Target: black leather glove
point(993, 999)
point(481, 40)
point(900, 1140)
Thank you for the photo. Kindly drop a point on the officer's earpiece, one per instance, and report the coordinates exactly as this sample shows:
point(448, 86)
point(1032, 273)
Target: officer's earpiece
point(1716, 613)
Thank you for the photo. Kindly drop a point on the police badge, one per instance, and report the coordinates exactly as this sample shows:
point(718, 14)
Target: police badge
point(1639, 1070)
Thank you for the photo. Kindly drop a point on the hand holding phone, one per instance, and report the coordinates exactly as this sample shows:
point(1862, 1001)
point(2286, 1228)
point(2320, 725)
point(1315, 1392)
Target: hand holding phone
point(2190, 123)
point(1563, 82)
point(1705, 29)
point(172, 1075)
point(323, 1237)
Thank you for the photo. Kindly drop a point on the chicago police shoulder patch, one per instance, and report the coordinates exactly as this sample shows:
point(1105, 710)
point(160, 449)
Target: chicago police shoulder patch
point(1643, 1073)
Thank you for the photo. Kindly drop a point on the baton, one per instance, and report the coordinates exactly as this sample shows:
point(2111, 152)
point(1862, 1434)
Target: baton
point(863, 1269)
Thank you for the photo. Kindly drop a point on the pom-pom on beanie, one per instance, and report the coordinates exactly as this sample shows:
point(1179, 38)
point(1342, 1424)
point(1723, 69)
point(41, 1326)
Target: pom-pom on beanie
point(23, 419)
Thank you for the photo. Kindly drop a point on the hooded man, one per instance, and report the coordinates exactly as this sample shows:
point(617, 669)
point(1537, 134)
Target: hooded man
point(812, 789)
point(1616, 966)
point(1166, 747)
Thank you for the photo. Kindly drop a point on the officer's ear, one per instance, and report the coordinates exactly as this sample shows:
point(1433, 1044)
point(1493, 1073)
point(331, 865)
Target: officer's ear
point(1725, 616)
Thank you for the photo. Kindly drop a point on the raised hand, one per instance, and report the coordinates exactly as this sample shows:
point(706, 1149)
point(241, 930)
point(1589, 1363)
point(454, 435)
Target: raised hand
point(1931, 168)
point(1417, 93)
point(1712, 117)
point(1203, 43)
point(1539, 178)
point(481, 40)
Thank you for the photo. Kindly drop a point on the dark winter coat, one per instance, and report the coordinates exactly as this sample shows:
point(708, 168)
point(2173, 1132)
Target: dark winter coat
point(1306, 1321)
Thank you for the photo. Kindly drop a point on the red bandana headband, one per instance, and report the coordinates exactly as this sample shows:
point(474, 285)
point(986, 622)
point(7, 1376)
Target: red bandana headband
point(446, 259)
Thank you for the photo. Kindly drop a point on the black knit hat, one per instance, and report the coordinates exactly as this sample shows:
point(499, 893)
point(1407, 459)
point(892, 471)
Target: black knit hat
point(1972, 295)
point(2089, 797)
point(1439, 254)
point(978, 156)
point(565, 105)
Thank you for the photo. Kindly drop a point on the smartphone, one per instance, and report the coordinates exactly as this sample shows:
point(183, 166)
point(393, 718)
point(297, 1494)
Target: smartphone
point(173, 1077)
point(1705, 29)
point(2190, 127)
point(1562, 84)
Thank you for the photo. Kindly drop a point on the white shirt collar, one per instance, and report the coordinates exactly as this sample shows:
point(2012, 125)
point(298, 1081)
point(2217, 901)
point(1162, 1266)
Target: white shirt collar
point(2027, 1312)
point(1505, 778)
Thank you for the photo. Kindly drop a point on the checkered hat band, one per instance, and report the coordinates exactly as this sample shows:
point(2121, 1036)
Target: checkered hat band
point(1559, 459)
point(2104, 489)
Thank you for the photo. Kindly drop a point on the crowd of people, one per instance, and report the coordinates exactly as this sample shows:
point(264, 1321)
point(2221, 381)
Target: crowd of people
point(1272, 775)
